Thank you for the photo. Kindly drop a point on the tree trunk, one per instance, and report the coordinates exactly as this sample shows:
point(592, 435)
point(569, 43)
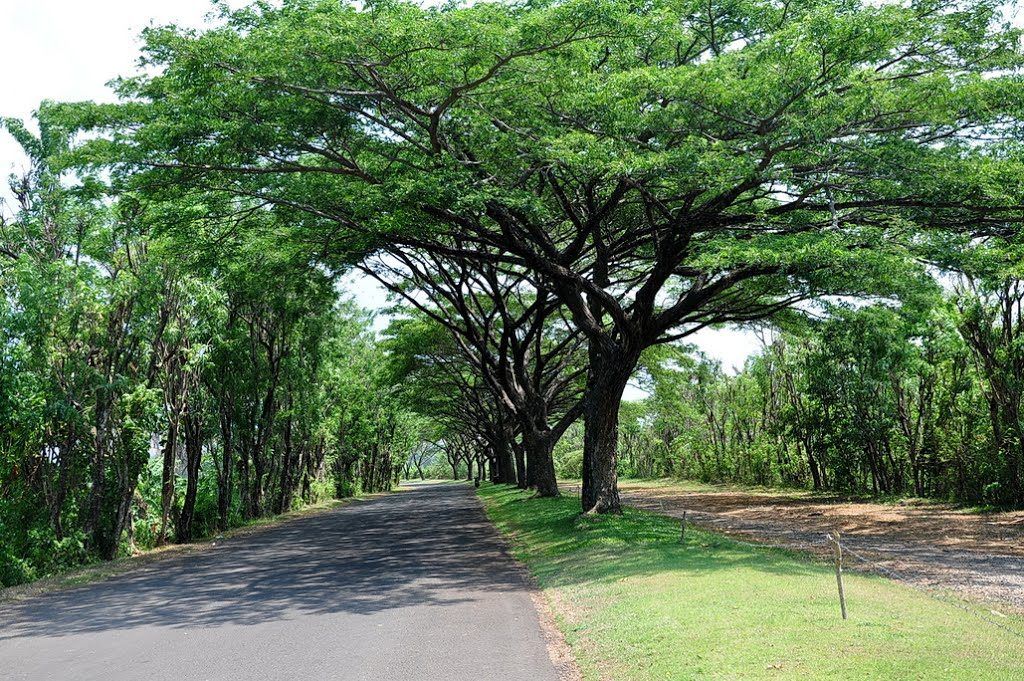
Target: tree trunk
point(193, 461)
point(284, 492)
point(167, 479)
point(245, 482)
point(224, 478)
point(540, 465)
point(520, 465)
point(505, 469)
point(609, 374)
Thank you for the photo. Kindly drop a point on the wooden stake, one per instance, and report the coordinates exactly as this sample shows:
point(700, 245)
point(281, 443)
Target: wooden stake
point(682, 529)
point(837, 549)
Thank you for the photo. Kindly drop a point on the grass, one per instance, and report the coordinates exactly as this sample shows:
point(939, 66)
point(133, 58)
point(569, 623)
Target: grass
point(636, 604)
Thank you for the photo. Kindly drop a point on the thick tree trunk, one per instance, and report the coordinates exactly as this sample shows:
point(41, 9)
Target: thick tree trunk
point(494, 474)
point(504, 470)
point(540, 465)
point(609, 373)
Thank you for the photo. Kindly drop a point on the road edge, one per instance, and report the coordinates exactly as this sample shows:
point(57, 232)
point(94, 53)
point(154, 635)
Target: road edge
point(559, 651)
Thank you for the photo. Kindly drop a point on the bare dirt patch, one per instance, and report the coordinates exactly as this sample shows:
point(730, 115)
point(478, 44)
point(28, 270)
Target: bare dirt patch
point(979, 556)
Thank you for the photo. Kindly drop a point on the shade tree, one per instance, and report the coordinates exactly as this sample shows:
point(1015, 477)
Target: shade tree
point(511, 334)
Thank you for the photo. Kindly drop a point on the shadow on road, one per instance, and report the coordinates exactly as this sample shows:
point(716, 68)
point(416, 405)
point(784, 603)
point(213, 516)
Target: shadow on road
point(430, 546)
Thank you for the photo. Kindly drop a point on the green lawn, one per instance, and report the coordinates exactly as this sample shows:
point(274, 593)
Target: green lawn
point(635, 604)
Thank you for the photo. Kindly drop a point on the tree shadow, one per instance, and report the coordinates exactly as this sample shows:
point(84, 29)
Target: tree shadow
point(432, 547)
point(610, 542)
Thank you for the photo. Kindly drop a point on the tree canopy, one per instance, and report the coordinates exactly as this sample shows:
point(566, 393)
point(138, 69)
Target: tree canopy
point(558, 195)
point(655, 167)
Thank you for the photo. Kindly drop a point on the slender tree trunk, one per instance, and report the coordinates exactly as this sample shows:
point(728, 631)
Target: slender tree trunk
point(167, 479)
point(284, 495)
point(97, 493)
point(224, 486)
point(245, 482)
point(193, 461)
point(812, 463)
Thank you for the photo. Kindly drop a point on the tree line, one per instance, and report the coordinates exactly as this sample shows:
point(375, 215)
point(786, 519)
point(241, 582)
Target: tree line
point(871, 401)
point(147, 396)
point(554, 193)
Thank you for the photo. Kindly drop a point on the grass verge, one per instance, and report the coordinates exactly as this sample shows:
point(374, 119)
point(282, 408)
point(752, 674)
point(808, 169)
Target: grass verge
point(636, 604)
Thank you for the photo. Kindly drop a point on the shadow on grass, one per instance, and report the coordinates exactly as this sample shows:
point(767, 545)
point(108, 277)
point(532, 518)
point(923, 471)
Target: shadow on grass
point(575, 548)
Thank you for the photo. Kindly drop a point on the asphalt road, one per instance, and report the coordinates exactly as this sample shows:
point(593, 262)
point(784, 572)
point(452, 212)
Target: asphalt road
point(413, 585)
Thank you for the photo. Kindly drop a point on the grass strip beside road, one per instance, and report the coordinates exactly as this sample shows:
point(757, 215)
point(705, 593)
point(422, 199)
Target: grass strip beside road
point(635, 604)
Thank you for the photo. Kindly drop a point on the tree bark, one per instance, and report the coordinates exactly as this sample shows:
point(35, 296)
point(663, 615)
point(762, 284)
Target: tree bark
point(193, 460)
point(520, 465)
point(505, 469)
point(540, 465)
point(609, 374)
point(167, 479)
point(225, 475)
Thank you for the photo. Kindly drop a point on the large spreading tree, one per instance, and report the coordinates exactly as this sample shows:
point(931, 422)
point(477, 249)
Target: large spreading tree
point(659, 166)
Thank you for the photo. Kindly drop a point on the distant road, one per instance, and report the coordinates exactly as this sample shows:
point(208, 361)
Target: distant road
point(413, 585)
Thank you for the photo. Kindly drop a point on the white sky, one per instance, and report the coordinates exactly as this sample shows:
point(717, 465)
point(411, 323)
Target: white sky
point(69, 49)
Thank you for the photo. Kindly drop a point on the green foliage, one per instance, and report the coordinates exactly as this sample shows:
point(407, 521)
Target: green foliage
point(154, 388)
point(174, 355)
point(656, 167)
point(873, 400)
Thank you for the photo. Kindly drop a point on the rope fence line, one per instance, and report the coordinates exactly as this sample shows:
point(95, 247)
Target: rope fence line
point(812, 547)
point(893, 575)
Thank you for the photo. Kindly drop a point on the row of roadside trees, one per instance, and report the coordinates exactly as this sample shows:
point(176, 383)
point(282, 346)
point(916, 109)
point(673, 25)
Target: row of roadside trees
point(556, 189)
point(153, 390)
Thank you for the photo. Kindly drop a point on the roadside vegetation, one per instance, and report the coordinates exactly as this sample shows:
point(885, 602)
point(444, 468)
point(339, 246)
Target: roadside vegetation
point(558, 196)
point(919, 400)
point(635, 604)
point(156, 390)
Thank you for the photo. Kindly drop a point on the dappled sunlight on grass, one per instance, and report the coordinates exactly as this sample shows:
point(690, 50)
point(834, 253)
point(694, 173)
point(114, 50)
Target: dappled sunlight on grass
point(636, 604)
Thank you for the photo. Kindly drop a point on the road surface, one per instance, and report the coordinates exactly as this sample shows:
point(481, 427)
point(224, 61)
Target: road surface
point(413, 585)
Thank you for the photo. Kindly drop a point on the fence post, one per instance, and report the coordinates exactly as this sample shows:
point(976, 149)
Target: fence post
point(837, 549)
